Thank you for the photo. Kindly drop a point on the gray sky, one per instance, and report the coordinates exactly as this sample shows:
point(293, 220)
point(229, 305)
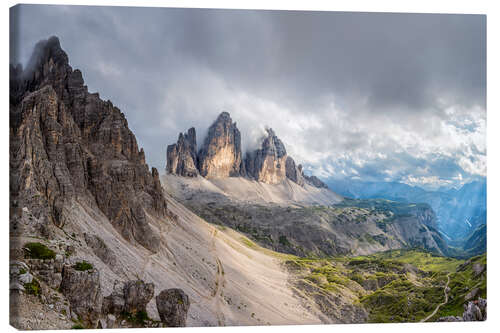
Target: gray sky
point(398, 97)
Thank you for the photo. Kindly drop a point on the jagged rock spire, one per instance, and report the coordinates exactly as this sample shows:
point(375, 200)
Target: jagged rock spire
point(220, 155)
point(67, 143)
point(268, 164)
point(182, 157)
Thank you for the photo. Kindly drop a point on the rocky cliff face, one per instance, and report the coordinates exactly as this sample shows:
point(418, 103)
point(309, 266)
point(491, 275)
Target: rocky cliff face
point(68, 144)
point(182, 157)
point(315, 181)
point(220, 155)
point(268, 164)
point(294, 172)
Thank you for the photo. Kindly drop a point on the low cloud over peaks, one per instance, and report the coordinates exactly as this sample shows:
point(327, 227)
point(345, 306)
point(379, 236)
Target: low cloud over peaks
point(370, 95)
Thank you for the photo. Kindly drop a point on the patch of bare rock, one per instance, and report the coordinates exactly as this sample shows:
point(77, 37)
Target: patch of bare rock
point(221, 156)
point(71, 296)
point(473, 311)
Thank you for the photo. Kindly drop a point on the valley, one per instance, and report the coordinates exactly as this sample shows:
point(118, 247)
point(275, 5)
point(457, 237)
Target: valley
point(98, 239)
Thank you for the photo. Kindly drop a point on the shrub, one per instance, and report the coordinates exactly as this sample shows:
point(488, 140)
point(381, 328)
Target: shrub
point(283, 240)
point(140, 317)
point(83, 266)
point(38, 251)
point(32, 288)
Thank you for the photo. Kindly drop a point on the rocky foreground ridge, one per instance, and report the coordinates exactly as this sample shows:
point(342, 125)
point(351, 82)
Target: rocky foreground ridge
point(221, 156)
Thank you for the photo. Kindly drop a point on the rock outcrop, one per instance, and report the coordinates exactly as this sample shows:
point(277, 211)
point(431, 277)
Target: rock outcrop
point(220, 155)
point(268, 164)
point(182, 157)
point(473, 311)
point(137, 295)
point(293, 172)
point(129, 297)
point(101, 250)
point(67, 144)
point(315, 181)
point(173, 306)
point(83, 291)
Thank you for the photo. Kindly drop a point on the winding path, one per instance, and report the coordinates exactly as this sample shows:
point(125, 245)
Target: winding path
point(440, 304)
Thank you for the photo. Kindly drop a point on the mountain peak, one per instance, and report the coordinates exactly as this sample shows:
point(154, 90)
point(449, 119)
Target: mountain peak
point(46, 50)
point(223, 116)
point(220, 155)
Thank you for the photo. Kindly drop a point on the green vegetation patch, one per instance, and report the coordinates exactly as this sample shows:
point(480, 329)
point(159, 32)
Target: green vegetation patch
point(402, 301)
point(37, 250)
point(83, 266)
point(33, 288)
point(464, 282)
point(139, 318)
point(421, 259)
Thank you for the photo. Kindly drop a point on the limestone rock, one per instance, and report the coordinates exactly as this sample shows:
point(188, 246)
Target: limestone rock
point(293, 172)
point(315, 181)
point(100, 249)
point(450, 319)
point(182, 158)
point(472, 312)
point(67, 143)
point(83, 291)
point(130, 296)
point(173, 306)
point(268, 164)
point(115, 302)
point(220, 155)
point(137, 295)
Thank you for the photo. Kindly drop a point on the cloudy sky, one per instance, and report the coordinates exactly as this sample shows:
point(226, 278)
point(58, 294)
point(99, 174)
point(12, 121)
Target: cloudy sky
point(389, 97)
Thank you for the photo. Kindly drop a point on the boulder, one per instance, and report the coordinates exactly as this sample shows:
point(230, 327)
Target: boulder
point(130, 297)
point(472, 312)
point(137, 295)
point(115, 302)
point(173, 306)
point(83, 291)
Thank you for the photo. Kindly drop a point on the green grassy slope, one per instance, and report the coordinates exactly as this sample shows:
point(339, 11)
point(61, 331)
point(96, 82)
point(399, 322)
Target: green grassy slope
point(398, 285)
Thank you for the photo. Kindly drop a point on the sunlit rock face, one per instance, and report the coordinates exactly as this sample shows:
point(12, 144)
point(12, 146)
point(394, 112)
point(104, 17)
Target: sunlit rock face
point(220, 155)
point(268, 164)
point(182, 157)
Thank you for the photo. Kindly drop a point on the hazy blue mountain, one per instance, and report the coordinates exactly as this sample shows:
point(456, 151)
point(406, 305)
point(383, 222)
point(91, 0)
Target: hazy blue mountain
point(460, 212)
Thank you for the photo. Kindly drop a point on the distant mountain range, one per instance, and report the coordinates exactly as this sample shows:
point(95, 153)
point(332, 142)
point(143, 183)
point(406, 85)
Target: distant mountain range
point(460, 212)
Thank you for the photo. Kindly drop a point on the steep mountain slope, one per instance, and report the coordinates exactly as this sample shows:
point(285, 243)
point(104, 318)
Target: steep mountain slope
point(67, 144)
point(220, 157)
point(87, 216)
point(459, 212)
point(95, 237)
point(244, 190)
point(307, 220)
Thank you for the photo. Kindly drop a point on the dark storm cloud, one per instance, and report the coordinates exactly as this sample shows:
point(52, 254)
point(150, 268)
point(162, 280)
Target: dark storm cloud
point(353, 86)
